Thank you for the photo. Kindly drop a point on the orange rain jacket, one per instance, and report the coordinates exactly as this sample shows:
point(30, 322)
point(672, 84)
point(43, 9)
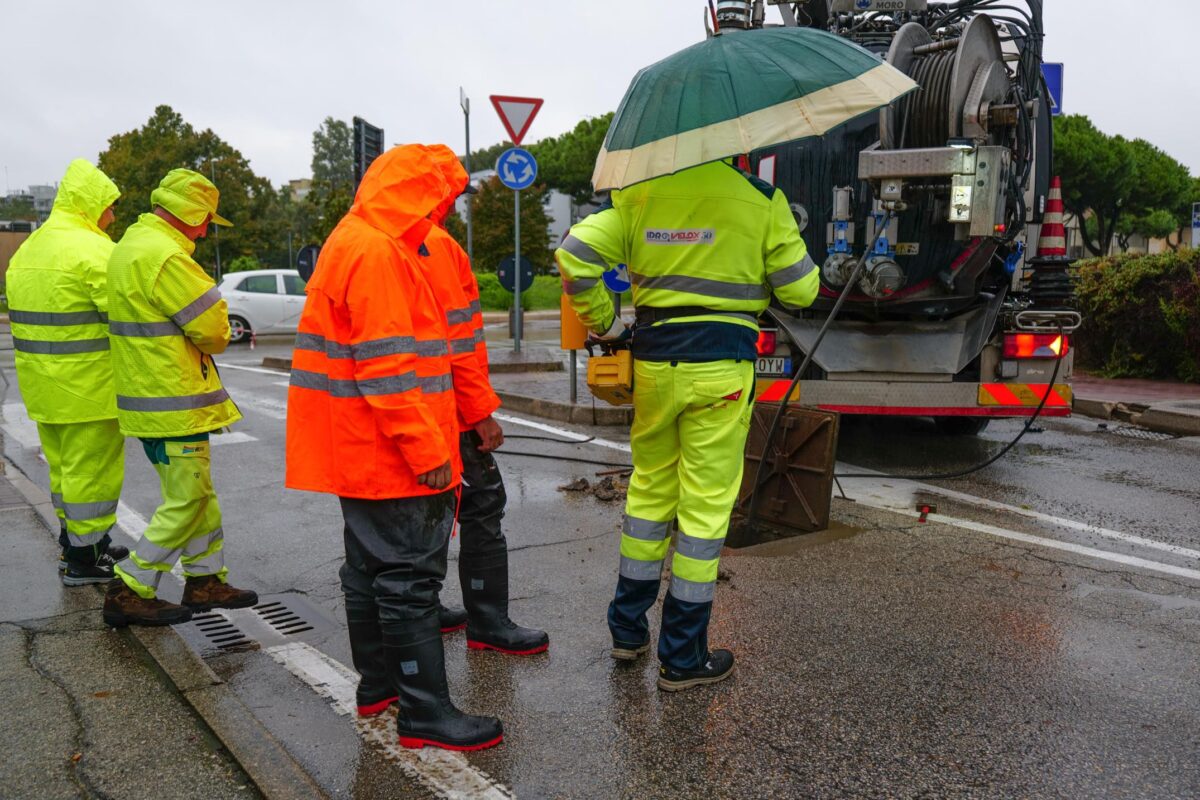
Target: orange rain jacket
point(449, 272)
point(371, 406)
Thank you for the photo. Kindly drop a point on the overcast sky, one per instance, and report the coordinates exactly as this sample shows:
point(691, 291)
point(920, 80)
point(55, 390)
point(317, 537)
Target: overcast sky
point(264, 73)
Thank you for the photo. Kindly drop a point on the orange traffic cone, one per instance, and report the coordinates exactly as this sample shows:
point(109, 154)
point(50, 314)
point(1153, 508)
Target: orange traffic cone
point(1053, 241)
point(1050, 284)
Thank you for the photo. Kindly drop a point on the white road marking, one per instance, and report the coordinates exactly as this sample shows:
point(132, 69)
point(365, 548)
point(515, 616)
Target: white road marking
point(447, 774)
point(276, 409)
point(237, 437)
point(284, 384)
point(261, 370)
point(134, 525)
point(901, 494)
point(1053, 544)
point(563, 432)
point(19, 427)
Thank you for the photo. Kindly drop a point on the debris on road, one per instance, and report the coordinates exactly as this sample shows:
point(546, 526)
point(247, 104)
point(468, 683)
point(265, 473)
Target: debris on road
point(608, 488)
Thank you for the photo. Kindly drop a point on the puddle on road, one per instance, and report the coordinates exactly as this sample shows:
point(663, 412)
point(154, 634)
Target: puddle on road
point(1164, 602)
point(792, 545)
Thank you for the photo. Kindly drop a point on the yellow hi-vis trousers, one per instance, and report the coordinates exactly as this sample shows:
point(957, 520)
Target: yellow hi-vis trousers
point(187, 525)
point(688, 439)
point(87, 469)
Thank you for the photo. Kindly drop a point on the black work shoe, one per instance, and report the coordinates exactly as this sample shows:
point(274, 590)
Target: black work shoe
point(451, 619)
point(717, 667)
point(123, 606)
point(623, 651)
point(77, 574)
point(115, 551)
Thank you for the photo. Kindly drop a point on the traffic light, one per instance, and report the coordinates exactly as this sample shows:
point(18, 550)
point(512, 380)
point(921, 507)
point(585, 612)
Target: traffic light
point(368, 145)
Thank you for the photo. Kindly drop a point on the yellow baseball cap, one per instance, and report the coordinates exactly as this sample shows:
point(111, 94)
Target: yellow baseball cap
point(189, 196)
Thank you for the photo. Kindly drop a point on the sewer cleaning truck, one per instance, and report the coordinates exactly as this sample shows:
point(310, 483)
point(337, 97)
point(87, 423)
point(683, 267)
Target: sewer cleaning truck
point(963, 310)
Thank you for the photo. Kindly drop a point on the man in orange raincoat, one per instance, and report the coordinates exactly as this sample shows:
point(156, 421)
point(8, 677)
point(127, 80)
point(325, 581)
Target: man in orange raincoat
point(483, 558)
point(372, 418)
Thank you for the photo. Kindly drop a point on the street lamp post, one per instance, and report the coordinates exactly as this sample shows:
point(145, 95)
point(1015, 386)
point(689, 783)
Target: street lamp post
point(465, 102)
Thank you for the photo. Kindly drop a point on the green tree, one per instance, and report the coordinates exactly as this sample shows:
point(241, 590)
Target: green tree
point(486, 157)
point(1099, 174)
point(1159, 200)
point(137, 161)
point(566, 162)
point(492, 220)
point(17, 208)
point(332, 175)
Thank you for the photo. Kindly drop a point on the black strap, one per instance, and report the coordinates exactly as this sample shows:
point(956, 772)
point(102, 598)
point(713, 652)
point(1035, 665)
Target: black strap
point(648, 315)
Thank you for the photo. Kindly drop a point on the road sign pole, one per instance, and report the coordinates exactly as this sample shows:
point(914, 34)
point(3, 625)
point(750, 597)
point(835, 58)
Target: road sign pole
point(518, 312)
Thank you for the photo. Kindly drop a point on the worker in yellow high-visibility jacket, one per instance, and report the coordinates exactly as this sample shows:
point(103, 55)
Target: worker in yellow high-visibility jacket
point(58, 305)
point(705, 248)
point(167, 320)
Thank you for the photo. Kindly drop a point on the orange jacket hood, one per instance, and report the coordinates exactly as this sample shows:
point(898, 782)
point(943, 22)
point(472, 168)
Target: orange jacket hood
point(400, 190)
point(456, 177)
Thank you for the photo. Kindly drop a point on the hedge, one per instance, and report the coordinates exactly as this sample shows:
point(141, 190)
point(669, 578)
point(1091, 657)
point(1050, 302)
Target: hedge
point(1141, 316)
point(543, 294)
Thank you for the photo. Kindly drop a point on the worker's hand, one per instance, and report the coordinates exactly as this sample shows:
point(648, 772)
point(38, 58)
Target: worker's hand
point(617, 333)
point(491, 434)
point(438, 478)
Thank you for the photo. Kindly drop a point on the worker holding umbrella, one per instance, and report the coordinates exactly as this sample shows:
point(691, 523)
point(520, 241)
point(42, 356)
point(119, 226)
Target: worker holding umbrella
point(706, 246)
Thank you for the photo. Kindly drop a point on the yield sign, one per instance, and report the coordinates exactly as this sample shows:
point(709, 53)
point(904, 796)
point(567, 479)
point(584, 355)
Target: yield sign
point(516, 113)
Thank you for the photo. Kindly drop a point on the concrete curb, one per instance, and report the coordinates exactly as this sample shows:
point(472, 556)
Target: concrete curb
point(276, 774)
point(565, 412)
point(1176, 418)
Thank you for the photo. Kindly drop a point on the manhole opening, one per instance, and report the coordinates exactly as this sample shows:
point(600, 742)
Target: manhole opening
point(275, 620)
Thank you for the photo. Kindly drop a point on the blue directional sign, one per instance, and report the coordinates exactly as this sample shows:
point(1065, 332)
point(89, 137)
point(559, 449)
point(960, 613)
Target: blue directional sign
point(1053, 73)
point(617, 280)
point(517, 168)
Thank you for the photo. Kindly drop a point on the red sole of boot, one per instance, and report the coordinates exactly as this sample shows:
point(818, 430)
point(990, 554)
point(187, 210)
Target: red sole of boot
point(473, 645)
point(455, 628)
point(414, 743)
point(375, 709)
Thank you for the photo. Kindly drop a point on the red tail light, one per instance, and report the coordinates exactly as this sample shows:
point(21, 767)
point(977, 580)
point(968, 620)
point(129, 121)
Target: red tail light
point(766, 343)
point(1036, 345)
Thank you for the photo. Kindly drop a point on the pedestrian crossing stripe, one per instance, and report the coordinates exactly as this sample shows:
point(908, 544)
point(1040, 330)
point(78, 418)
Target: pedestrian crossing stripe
point(1024, 394)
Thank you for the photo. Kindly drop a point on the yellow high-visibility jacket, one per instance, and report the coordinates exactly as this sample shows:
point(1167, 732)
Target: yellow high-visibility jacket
point(709, 238)
point(166, 320)
point(58, 298)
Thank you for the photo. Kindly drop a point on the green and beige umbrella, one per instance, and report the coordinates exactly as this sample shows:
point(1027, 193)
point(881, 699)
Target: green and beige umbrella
point(738, 92)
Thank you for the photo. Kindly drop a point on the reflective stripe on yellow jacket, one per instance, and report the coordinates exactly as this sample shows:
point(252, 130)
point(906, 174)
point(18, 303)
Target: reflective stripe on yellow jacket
point(166, 320)
point(57, 296)
point(709, 236)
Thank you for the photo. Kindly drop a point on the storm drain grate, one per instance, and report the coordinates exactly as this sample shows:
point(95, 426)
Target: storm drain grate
point(275, 620)
point(1134, 432)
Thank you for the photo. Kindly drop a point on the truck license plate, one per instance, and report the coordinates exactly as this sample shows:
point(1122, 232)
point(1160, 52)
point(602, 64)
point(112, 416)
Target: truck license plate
point(773, 366)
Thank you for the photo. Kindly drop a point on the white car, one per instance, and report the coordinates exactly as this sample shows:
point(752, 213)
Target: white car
point(263, 301)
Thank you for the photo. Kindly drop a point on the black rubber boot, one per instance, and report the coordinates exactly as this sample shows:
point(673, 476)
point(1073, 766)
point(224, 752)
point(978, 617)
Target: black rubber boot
point(717, 667)
point(485, 594)
point(375, 690)
point(416, 662)
point(451, 619)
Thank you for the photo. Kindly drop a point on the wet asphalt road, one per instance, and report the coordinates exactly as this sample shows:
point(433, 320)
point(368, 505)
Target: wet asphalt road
point(989, 652)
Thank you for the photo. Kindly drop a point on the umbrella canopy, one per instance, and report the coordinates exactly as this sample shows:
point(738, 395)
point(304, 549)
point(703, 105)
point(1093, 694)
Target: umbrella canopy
point(737, 92)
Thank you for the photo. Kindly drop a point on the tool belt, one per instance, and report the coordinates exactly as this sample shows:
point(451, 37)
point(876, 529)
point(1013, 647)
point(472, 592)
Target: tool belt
point(645, 316)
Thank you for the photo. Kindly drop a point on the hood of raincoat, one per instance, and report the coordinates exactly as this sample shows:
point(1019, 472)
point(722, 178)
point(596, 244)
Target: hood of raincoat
point(400, 190)
point(85, 192)
point(452, 170)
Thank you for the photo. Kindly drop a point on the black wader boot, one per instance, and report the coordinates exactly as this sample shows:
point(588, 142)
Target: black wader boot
point(375, 690)
point(485, 593)
point(416, 662)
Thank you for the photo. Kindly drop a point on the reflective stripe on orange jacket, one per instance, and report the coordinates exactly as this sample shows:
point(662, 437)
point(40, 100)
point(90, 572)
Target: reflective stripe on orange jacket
point(371, 402)
point(449, 272)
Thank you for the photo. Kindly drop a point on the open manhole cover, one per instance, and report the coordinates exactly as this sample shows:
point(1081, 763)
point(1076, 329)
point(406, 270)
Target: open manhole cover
point(1134, 432)
point(276, 619)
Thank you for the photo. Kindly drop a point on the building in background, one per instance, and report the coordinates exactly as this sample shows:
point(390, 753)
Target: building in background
point(560, 209)
point(300, 187)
